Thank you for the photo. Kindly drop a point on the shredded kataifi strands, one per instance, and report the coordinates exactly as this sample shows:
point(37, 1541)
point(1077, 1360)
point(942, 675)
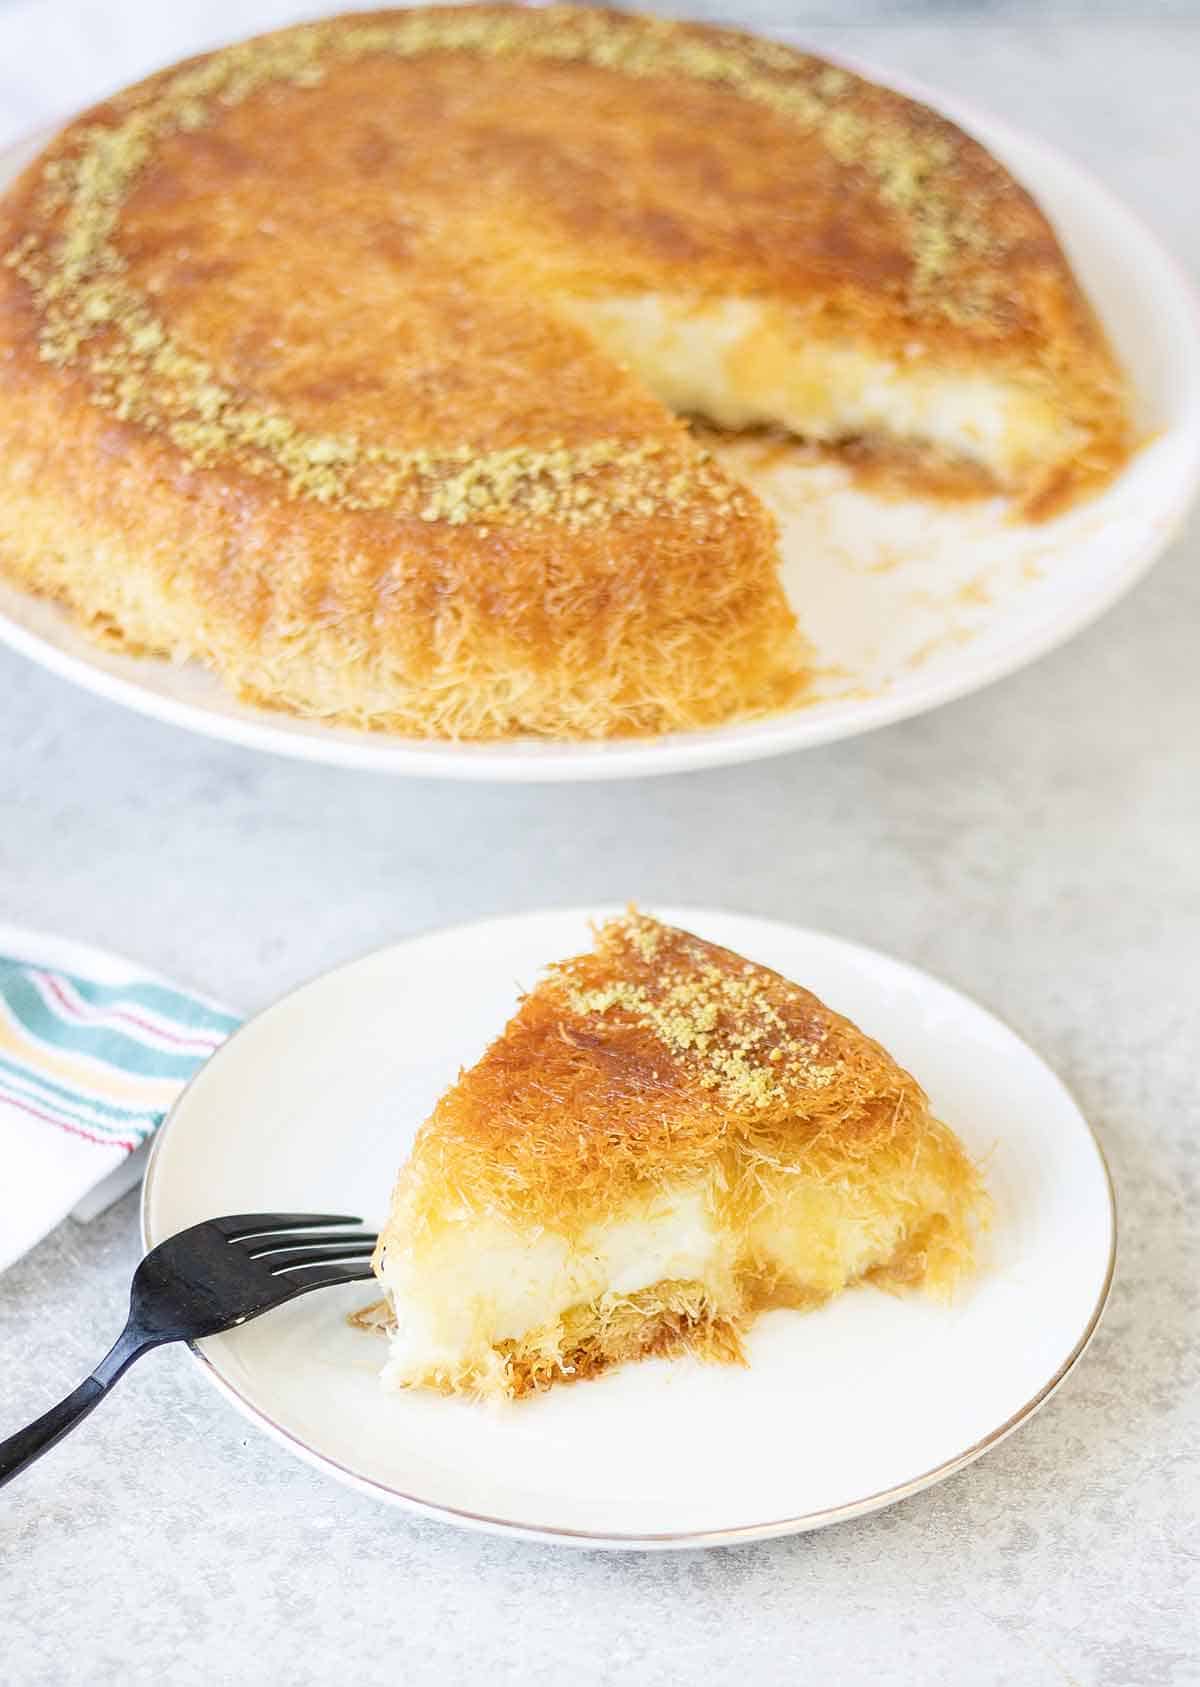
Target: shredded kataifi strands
point(656, 1071)
point(306, 373)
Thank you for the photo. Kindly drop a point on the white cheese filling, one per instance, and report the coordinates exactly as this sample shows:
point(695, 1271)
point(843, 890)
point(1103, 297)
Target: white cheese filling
point(480, 1281)
point(740, 362)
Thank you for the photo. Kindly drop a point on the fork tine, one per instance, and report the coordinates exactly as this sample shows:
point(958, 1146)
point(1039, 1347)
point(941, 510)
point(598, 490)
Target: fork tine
point(237, 1225)
point(267, 1248)
point(285, 1259)
point(324, 1276)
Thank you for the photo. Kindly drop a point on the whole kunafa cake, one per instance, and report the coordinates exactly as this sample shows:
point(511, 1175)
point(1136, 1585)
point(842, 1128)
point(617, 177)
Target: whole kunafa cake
point(358, 361)
point(665, 1140)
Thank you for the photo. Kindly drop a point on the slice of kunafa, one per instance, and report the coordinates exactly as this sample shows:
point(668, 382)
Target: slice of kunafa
point(665, 1140)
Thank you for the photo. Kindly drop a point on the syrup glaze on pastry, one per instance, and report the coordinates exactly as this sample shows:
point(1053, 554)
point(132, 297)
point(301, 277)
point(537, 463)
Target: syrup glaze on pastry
point(665, 1140)
point(352, 360)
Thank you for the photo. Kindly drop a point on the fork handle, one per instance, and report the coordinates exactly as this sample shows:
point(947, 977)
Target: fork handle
point(40, 1435)
point(43, 1433)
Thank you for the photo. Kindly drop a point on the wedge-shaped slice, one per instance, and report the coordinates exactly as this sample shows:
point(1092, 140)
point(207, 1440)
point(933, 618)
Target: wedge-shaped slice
point(665, 1140)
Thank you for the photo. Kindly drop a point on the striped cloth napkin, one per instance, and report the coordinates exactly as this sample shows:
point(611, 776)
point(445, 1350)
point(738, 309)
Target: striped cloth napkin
point(93, 1051)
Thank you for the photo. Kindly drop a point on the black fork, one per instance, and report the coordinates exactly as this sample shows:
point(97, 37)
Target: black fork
point(197, 1283)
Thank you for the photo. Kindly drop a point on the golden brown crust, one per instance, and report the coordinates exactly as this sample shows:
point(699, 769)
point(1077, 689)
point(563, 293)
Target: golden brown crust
point(667, 1319)
point(652, 1060)
point(284, 387)
point(660, 1069)
point(662, 1322)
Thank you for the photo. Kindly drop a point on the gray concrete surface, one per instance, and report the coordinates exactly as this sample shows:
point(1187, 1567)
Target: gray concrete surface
point(1038, 845)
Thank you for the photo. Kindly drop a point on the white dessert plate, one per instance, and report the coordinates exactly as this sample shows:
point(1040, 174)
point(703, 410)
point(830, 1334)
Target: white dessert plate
point(313, 1104)
point(908, 604)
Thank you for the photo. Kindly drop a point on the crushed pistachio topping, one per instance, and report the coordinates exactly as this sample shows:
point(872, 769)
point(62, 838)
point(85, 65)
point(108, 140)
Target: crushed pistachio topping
point(643, 936)
point(95, 319)
point(722, 1025)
